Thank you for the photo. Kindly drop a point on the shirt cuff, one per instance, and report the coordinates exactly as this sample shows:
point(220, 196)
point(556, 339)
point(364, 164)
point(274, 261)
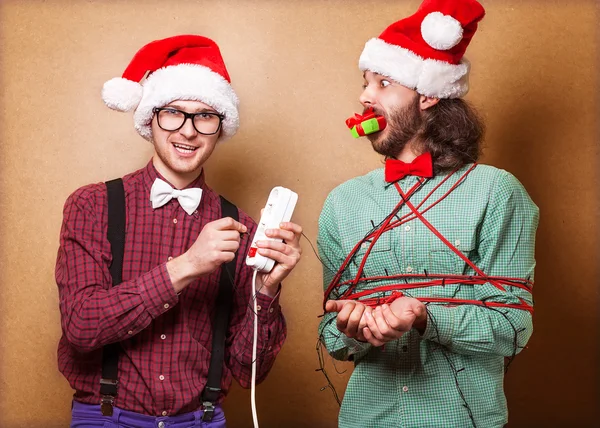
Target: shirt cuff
point(268, 308)
point(157, 291)
point(440, 324)
point(354, 346)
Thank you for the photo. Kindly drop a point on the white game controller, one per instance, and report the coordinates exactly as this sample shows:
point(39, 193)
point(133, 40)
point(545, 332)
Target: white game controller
point(279, 208)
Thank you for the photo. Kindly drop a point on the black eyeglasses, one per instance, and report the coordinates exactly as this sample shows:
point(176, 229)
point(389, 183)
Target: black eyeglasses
point(205, 123)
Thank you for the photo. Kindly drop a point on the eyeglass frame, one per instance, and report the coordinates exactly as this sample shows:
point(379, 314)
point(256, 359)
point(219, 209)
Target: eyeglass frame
point(187, 116)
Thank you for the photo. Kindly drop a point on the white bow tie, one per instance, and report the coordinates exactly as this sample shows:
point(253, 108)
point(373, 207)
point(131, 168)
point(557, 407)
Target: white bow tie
point(162, 192)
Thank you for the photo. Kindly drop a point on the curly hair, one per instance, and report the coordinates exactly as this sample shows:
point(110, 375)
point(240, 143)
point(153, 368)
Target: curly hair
point(452, 131)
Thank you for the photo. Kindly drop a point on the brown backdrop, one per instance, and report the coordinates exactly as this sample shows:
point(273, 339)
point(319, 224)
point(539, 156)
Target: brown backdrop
point(294, 66)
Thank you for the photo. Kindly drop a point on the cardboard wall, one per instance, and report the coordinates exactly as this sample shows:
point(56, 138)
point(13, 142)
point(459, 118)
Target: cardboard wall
point(294, 67)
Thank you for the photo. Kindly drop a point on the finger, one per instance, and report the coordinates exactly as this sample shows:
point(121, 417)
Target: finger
point(419, 309)
point(372, 325)
point(286, 235)
point(229, 246)
point(288, 262)
point(274, 245)
point(392, 320)
point(354, 320)
point(334, 305)
point(344, 315)
point(370, 338)
point(227, 223)
point(229, 235)
point(383, 326)
point(223, 256)
point(293, 227)
point(363, 320)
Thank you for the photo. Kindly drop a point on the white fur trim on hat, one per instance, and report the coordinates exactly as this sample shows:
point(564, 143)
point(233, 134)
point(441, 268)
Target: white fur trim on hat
point(441, 32)
point(428, 77)
point(121, 94)
point(187, 82)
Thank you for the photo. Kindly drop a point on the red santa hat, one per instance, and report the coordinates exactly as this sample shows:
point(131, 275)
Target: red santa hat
point(177, 68)
point(425, 51)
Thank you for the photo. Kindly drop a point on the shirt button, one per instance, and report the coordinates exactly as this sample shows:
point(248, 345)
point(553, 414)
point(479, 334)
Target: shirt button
point(161, 377)
point(271, 310)
point(169, 258)
point(457, 242)
point(164, 413)
point(409, 269)
point(270, 347)
point(364, 245)
point(161, 424)
point(258, 308)
point(130, 332)
point(166, 306)
point(405, 388)
point(175, 220)
point(407, 228)
point(163, 336)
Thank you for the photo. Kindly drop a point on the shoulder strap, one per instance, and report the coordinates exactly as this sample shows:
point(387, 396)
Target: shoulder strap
point(116, 227)
point(221, 322)
point(116, 237)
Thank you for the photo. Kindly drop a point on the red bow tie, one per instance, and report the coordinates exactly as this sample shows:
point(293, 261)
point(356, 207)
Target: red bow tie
point(421, 166)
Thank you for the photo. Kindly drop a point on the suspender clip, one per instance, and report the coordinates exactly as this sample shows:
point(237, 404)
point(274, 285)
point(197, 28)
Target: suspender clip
point(108, 391)
point(107, 405)
point(209, 411)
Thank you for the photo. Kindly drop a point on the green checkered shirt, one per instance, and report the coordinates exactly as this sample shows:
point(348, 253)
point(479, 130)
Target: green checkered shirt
point(420, 381)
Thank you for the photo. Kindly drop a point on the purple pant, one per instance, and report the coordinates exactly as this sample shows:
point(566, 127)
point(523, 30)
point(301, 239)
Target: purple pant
point(90, 416)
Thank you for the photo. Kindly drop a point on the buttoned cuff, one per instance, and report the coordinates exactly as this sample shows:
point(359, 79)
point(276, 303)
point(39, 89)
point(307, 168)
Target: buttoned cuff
point(268, 308)
point(440, 324)
point(157, 291)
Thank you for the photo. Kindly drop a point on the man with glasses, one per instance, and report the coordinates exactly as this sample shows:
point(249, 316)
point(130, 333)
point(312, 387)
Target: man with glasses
point(138, 326)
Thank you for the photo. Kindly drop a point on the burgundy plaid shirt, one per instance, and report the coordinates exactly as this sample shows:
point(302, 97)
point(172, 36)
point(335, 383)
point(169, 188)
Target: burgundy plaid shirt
point(166, 339)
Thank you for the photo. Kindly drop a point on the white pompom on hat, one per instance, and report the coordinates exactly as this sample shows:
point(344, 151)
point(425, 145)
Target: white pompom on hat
point(425, 51)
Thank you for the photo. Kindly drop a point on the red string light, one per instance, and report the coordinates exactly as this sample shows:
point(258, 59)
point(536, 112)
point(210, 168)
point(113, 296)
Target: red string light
point(431, 279)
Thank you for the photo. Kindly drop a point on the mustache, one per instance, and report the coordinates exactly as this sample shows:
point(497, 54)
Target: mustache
point(374, 110)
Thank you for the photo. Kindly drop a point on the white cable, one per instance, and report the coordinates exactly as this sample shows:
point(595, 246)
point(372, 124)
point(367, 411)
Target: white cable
point(254, 346)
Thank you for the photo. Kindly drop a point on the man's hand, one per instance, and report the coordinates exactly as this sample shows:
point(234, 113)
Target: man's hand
point(390, 322)
point(382, 324)
point(350, 318)
point(286, 255)
point(217, 243)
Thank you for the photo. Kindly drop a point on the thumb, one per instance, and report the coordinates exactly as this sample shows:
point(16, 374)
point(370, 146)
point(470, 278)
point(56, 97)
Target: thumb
point(419, 309)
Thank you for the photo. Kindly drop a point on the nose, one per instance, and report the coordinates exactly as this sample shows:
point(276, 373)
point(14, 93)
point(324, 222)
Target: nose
point(366, 98)
point(188, 130)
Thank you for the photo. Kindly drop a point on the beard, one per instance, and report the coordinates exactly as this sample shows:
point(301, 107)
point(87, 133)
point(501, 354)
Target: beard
point(403, 125)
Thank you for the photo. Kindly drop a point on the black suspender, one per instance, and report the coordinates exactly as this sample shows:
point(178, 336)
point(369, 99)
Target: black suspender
point(110, 353)
point(224, 298)
point(116, 237)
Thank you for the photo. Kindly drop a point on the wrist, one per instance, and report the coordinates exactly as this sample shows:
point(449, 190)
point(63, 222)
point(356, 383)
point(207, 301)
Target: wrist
point(180, 272)
point(268, 290)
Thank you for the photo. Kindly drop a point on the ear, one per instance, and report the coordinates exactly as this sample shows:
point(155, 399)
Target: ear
point(425, 102)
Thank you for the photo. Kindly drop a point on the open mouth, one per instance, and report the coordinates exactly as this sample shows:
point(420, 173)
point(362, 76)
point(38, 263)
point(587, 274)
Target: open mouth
point(371, 109)
point(184, 148)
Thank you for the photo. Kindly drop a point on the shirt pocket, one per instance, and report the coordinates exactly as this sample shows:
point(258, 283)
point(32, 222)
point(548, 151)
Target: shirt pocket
point(381, 261)
point(442, 260)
